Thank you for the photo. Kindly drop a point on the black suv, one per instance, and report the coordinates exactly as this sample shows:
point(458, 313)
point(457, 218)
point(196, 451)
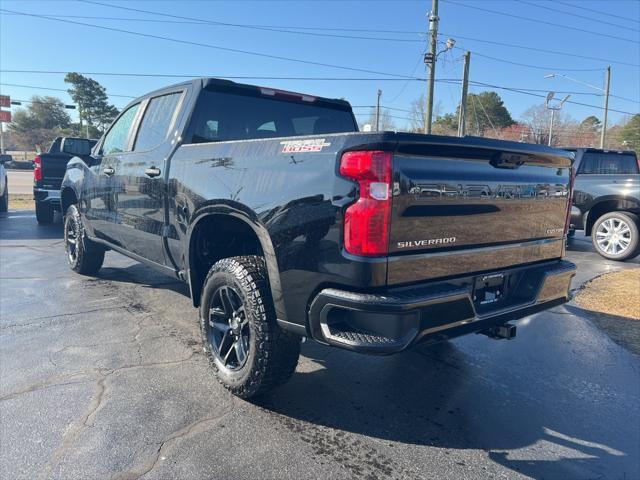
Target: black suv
point(606, 200)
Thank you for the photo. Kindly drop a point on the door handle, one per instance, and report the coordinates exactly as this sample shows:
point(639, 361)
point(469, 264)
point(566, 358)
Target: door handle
point(108, 171)
point(152, 172)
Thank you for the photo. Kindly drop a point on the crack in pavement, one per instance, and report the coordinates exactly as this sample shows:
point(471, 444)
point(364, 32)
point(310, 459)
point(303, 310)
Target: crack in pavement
point(58, 315)
point(199, 426)
point(75, 428)
point(50, 382)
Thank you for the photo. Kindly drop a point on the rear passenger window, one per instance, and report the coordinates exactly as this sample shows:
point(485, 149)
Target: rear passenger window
point(595, 163)
point(116, 140)
point(156, 122)
point(227, 116)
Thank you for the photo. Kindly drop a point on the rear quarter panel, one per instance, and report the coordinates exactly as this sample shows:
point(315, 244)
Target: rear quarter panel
point(293, 201)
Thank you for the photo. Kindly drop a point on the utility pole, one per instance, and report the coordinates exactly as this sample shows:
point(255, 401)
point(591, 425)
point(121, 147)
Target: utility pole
point(430, 60)
point(553, 114)
point(463, 98)
point(378, 111)
point(603, 133)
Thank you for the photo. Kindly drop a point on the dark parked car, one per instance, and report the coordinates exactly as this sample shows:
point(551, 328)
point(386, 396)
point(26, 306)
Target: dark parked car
point(48, 170)
point(606, 200)
point(286, 223)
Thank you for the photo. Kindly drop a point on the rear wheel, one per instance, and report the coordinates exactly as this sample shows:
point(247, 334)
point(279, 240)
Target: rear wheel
point(44, 213)
point(615, 235)
point(84, 256)
point(247, 349)
point(4, 199)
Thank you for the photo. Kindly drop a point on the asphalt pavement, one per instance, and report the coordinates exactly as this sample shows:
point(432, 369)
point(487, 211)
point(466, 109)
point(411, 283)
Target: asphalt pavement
point(20, 182)
point(105, 378)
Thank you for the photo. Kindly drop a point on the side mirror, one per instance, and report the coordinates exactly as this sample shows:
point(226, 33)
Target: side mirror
point(5, 159)
point(76, 146)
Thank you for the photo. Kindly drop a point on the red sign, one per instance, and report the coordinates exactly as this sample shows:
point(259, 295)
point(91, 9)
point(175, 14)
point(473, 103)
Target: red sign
point(5, 101)
point(5, 116)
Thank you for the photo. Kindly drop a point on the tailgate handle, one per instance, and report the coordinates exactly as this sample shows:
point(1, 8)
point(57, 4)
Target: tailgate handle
point(152, 172)
point(108, 171)
point(508, 160)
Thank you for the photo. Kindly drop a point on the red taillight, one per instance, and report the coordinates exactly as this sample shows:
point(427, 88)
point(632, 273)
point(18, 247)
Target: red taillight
point(567, 220)
point(37, 169)
point(366, 222)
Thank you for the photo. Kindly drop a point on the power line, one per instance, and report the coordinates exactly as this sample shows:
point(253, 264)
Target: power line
point(208, 45)
point(599, 20)
point(280, 29)
point(526, 91)
point(291, 28)
point(543, 50)
point(242, 25)
point(544, 22)
point(544, 96)
point(55, 89)
point(203, 22)
point(527, 65)
point(233, 77)
point(599, 12)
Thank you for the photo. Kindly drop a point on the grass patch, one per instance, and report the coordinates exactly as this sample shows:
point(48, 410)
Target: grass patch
point(21, 202)
point(616, 293)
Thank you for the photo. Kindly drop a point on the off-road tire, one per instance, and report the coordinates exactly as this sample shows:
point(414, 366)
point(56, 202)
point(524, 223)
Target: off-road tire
point(632, 222)
point(4, 199)
point(44, 213)
point(272, 352)
point(88, 256)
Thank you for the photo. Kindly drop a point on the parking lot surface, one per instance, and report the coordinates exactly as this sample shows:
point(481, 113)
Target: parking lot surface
point(20, 182)
point(105, 378)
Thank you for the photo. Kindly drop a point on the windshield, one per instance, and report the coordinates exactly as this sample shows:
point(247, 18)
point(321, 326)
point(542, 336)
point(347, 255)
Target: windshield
point(227, 116)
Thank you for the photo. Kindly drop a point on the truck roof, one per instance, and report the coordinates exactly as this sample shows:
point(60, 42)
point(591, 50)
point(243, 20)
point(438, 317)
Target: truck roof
point(222, 85)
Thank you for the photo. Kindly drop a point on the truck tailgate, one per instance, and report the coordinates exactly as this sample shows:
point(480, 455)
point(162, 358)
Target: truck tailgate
point(464, 208)
point(54, 166)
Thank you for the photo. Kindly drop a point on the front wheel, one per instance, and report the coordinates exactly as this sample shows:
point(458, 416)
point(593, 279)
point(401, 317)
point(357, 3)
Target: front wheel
point(84, 256)
point(248, 351)
point(615, 236)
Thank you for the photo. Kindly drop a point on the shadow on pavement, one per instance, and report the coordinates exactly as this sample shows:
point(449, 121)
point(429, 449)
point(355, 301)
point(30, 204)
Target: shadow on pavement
point(141, 275)
point(22, 225)
point(622, 330)
point(434, 397)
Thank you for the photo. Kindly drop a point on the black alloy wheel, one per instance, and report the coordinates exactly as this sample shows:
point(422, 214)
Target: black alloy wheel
point(227, 330)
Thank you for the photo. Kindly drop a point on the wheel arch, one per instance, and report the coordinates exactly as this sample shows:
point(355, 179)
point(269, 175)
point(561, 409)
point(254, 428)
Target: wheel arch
point(68, 196)
point(248, 237)
point(608, 204)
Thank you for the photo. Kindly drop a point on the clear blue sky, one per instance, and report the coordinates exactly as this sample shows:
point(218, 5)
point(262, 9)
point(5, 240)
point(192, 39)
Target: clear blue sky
point(31, 43)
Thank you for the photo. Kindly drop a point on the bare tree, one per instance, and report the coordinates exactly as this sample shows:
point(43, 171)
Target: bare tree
point(386, 121)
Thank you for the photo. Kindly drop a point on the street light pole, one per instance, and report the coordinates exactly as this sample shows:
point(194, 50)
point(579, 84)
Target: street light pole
point(553, 109)
point(553, 113)
point(603, 133)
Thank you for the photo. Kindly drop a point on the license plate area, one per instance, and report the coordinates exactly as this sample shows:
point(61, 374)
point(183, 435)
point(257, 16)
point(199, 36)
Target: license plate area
point(490, 290)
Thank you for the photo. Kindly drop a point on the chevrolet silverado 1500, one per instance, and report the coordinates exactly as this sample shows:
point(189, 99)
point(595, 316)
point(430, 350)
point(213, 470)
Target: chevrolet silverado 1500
point(286, 222)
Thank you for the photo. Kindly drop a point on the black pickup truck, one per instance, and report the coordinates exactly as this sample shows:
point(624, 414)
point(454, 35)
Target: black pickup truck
point(48, 170)
point(286, 223)
point(606, 200)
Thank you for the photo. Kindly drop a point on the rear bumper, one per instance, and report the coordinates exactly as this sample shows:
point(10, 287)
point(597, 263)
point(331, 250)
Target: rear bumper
point(390, 321)
point(52, 197)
